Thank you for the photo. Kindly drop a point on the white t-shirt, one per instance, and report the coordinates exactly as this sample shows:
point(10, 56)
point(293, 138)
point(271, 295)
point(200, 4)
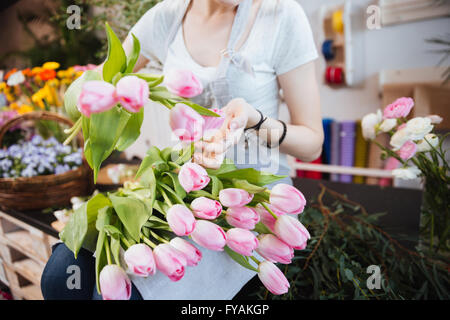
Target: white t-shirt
point(280, 40)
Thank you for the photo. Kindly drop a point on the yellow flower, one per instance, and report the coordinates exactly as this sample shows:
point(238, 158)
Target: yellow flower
point(3, 86)
point(50, 65)
point(14, 106)
point(10, 97)
point(36, 70)
point(24, 109)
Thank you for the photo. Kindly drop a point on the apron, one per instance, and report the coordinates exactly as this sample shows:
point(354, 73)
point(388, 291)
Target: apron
point(217, 276)
point(219, 87)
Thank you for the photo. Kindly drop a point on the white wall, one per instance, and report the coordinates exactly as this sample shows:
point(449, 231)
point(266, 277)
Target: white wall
point(392, 47)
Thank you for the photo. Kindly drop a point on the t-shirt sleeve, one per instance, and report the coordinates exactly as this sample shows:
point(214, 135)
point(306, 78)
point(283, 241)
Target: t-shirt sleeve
point(151, 30)
point(294, 43)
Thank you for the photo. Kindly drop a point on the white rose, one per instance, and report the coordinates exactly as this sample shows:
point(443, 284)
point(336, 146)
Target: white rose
point(418, 127)
point(424, 146)
point(407, 173)
point(15, 79)
point(399, 138)
point(369, 125)
point(387, 125)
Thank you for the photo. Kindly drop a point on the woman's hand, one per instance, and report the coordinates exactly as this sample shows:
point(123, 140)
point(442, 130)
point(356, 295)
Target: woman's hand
point(211, 151)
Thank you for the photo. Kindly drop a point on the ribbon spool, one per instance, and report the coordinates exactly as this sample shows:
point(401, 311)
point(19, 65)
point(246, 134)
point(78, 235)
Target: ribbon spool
point(337, 21)
point(328, 50)
point(334, 75)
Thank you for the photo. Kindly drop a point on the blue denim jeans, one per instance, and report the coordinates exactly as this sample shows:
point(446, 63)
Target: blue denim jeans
point(55, 282)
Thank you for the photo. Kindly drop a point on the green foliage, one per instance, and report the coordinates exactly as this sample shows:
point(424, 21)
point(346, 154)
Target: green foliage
point(345, 241)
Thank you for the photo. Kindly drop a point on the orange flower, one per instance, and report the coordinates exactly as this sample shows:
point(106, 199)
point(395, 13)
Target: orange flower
point(27, 72)
point(10, 72)
point(47, 74)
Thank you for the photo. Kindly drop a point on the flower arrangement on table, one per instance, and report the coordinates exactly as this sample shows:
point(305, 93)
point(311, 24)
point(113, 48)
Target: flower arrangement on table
point(416, 152)
point(34, 89)
point(219, 209)
point(38, 157)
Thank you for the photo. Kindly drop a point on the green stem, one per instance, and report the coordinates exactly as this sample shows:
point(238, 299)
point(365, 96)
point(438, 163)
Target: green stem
point(255, 260)
point(76, 129)
point(158, 237)
point(70, 130)
point(148, 242)
point(268, 209)
point(125, 241)
point(165, 196)
point(176, 165)
point(108, 251)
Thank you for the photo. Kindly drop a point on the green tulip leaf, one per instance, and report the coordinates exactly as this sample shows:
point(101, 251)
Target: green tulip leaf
point(242, 260)
point(134, 56)
point(132, 131)
point(132, 213)
point(116, 60)
point(253, 176)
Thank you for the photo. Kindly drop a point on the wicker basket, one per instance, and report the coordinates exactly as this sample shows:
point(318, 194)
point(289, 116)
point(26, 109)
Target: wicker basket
point(44, 191)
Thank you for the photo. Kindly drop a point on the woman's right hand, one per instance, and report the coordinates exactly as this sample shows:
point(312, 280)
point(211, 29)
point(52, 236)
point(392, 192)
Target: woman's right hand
point(210, 152)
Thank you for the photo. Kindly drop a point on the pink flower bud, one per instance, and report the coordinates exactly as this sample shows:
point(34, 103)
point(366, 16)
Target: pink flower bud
point(266, 218)
point(233, 197)
point(183, 83)
point(96, 96)
point(190, 252)
point(181, 220)
point(242, 217)
point(400, 108)
point(205, 208)
point(140, 261)
point(114, 283)
point(209, 235)
point(408, 150)
point(170, 261)
point(287, 198)
point(275, 250)
point(186, 123)
point(193, 177)
point(292, 232)
point(242, 241)
point(132, 93)
point(272, 278)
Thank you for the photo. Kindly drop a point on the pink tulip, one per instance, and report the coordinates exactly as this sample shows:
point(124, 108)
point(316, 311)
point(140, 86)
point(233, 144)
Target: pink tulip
point(275, 250)
point(181, 220)
point(205, 208)
point(287, 198)
point(266, 218)
point(233, 197)
point(193, 177)
point(209, 235)
point(132, 93)
point(170, 261)
point(183, 83)
point(242, 217)
point(400, 108)
point(190, 252)
point(186, 123)
point(408, 150)
point(241, 241)
point(96, 96)
point(114, 283)
point(140, 261)
point(213, 124)
point(272, 278)
point(292, 232)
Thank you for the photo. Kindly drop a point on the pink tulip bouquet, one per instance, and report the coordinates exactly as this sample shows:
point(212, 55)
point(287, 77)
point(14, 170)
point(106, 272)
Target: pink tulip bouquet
point(415, 151)
point(156, 223)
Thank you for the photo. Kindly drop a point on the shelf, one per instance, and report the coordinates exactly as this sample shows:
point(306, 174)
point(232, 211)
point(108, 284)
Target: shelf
point(29, 269)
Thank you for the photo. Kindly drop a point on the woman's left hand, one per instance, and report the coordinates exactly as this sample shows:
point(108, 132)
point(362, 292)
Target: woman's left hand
point(210, 152)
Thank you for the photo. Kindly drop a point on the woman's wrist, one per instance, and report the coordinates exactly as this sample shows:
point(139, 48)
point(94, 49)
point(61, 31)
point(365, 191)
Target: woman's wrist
point(253, 117)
